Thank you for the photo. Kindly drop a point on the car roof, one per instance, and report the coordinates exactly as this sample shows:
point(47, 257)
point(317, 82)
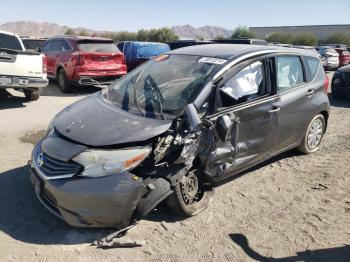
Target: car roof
point(80, 38)
point(7, 33)
point(228, 51)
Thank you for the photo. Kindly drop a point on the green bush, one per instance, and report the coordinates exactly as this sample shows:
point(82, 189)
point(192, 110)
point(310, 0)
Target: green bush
point(242, 31)
point(305, 39)
point(282, 38)
point(338, 38)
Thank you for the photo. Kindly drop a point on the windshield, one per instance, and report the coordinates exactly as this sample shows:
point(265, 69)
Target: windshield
point(98, 47)
point(162, 86)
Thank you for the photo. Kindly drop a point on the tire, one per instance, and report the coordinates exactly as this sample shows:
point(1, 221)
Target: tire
point(31, 95)
point(313, 135)
point(62, 81)
point(189, 203)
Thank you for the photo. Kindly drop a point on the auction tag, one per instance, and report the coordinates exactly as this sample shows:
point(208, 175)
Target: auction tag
point(212, 60)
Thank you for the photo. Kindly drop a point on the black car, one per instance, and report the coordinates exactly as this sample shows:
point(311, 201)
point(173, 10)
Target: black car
point(184, 43)
point(245, 41)
point(341, 82)
point(175, 128)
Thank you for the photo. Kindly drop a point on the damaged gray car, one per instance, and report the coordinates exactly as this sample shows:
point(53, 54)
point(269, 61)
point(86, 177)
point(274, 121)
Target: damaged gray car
point(175, 128)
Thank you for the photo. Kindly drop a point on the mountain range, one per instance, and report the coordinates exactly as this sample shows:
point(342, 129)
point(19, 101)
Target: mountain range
point(45, 29)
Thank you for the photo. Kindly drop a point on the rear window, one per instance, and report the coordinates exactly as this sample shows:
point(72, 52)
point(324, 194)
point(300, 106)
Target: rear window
point(312, 64)
point(10, 42)
point(32, 44)
point(98, 47)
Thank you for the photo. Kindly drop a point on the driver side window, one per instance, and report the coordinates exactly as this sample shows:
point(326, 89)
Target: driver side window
point(246, 85)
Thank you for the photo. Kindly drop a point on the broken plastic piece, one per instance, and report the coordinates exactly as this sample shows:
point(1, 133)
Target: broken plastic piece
point(104, 242)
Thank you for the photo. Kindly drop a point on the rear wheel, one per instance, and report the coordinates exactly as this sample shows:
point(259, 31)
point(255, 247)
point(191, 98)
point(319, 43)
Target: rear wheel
point(189, 197)
point(63, 84)
point(313, 135)
point(31, 95)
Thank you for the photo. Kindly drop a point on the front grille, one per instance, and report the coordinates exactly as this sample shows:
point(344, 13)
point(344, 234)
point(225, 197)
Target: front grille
point(52, 167)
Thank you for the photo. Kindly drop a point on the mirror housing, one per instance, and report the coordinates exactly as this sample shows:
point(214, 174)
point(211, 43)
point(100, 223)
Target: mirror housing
point(224, 126)
point(192, 116)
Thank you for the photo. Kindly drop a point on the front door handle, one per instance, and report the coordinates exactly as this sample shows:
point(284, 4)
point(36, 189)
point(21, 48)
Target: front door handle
point(310, 92)
point(274, 109)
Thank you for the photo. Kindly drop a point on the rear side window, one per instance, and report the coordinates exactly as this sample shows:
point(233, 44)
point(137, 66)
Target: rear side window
point(289, 72)
point(311, 65)
point(98, 47)
point(10, 42)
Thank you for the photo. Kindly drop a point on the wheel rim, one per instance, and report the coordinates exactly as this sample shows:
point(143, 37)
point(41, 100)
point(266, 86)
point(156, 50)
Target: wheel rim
point(61, 80)
point(190, 189)
point(315, 133)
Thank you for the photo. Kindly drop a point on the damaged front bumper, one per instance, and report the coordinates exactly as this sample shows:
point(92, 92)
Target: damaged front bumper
point(110, 201)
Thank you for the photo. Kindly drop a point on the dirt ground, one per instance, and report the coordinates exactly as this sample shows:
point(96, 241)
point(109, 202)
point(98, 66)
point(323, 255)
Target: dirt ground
point(291, 208)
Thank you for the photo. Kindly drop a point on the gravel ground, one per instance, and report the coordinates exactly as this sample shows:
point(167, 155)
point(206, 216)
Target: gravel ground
point(291, 208)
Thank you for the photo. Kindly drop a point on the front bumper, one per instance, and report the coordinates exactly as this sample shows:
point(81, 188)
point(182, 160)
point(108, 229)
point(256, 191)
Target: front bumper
point(108, 201)
point(26, 83)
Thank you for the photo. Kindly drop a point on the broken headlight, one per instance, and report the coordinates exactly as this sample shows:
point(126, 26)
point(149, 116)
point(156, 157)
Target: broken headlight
point(99, 163)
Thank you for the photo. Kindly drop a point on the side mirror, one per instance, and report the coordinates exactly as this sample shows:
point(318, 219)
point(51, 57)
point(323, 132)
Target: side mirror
point(192, 116)
point(224, 126)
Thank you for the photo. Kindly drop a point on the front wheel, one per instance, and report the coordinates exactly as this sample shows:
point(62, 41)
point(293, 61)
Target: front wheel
point(189, 197)
point(313, 136)
point(31, 95)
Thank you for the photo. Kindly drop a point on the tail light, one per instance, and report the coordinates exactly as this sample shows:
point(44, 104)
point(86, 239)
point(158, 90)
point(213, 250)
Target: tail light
point(326, 82)
point(119, 58)
point(44, 58)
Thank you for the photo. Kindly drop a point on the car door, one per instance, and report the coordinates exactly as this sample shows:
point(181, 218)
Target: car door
point(293, 96)
point(250, 118)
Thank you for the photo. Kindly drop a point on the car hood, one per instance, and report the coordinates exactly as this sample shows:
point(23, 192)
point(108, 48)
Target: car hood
point(93, 121)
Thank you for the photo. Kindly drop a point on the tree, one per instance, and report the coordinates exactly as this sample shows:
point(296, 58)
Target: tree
point(69, 31)
point(157, 35)
point(305, 39)
point(281, 38)
point(338, 38)
point(242, 31)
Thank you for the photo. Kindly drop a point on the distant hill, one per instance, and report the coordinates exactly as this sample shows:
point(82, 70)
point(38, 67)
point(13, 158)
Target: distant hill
point(29, 28)
point(204, 32)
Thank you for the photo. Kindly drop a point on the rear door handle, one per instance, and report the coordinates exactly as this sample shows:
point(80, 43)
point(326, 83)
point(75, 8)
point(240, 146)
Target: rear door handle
point(310, 92)
point(274, 109)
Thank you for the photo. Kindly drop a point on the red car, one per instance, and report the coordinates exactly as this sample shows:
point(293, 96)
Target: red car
point(344, 56)
point(77, 60)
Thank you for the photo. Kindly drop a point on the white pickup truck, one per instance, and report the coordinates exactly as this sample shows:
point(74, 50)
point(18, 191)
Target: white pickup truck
point(20, 69)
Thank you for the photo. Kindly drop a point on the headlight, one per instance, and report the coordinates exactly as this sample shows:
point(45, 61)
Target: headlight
point(99, 163)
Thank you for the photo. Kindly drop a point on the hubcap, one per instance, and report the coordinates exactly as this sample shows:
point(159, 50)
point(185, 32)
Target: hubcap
point(315, 133)
point(189, 188)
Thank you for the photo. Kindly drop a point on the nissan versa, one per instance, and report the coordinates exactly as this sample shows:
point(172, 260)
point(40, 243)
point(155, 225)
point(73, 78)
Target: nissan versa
point(176, 127)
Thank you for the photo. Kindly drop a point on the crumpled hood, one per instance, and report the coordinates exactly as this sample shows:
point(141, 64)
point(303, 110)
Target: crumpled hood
point(95, 122)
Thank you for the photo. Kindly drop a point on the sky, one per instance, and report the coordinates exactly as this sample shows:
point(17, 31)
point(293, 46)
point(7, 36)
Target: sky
point(132, 15)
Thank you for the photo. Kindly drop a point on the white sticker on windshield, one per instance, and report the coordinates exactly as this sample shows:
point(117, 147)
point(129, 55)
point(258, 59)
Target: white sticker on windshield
point(212, 60)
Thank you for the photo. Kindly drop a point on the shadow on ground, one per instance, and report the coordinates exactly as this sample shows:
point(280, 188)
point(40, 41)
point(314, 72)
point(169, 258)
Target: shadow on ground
point(336, 254)
point(53, 90)
point(7, 100)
